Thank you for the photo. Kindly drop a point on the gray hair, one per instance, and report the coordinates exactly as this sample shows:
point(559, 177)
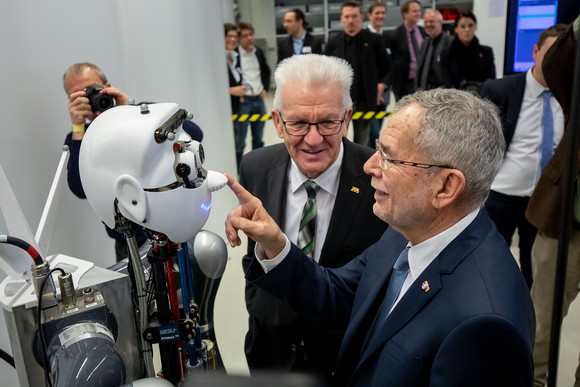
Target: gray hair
point(78, 69)
point(314, 71)
point(436, 12)
point(463, 131)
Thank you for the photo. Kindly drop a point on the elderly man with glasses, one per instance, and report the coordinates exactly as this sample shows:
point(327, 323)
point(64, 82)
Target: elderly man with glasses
point(439, 299)
point(312, 109)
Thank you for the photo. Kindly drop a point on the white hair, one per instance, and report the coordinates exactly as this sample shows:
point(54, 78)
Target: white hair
point(313, 70)
point(463, 131)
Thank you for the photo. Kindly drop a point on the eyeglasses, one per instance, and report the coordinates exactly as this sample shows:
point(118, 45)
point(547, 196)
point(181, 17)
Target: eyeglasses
point(385, 161)
point(301, 128)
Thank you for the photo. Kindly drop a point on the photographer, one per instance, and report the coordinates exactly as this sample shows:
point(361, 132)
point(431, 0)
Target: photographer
point(89, 94)
point(76, 80)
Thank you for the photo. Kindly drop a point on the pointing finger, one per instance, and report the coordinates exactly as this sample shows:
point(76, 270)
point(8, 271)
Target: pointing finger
point(241, 193)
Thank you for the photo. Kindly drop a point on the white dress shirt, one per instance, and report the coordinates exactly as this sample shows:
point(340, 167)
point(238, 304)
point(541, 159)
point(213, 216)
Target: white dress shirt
point(234, 67)
point(295, 199)
point(422, 254)
point(251, 71)
point(325, 198)
point(521, 169)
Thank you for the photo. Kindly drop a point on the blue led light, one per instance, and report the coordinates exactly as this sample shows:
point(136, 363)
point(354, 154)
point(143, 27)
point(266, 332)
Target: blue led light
point(205, 207)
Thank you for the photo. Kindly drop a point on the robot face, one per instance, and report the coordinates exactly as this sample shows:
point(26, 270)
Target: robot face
point(141, 157)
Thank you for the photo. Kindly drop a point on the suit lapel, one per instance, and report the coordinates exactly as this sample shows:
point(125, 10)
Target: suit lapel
point(412, 302)
point(277, 185)
point(351, 189)
point(416, 297)
point(363, 315)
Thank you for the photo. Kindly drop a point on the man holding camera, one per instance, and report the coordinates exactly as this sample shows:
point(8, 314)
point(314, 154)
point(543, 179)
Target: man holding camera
point(89, 94)
point(76, 80)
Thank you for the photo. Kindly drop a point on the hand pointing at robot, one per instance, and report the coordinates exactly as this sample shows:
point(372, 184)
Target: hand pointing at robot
point(251, 218)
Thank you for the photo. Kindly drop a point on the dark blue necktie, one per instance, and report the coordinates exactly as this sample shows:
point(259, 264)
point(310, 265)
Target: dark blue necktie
point(400, 270)
point(548, 130)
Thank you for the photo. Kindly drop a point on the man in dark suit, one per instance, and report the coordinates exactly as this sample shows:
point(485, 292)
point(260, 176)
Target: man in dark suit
point(452, 309)
point(429, 68)
point(404, 44)
point(544, 208)
point(299, 40)
point(520, 100)
point(309, 89)
point(237, 88)
point(366, 54)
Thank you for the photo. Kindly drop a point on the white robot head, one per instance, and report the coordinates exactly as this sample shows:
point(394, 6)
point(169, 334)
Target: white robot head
point(139, 159)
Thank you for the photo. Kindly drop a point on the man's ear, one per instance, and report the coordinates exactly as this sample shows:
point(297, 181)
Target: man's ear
point(131, 197)
point(347, 118)
point(277, 123)
point(450, 184)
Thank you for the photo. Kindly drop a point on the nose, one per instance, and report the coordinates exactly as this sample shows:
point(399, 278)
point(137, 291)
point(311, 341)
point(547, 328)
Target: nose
point(372, 166)
point(313, 137)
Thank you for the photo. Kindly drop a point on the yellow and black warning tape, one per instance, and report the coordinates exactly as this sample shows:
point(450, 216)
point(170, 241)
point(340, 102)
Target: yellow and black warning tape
point(266, 117)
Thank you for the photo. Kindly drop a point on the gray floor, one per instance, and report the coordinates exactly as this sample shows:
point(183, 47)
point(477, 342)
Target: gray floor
point(231, 316)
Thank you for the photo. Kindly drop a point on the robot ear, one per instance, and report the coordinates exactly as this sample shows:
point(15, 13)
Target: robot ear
point(131, 197)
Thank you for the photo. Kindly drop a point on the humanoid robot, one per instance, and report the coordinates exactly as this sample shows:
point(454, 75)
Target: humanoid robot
point(138, 166)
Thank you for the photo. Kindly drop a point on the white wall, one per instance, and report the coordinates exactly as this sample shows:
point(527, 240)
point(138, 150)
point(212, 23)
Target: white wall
point(491, 22)
point(152, 50)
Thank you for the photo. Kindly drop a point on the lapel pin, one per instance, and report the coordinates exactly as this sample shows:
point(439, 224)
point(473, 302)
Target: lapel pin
point(355, 189)
point(425, 286)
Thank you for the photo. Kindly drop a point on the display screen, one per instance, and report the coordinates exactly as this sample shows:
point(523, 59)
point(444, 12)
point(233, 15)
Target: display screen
point(525, 23)
point(533, 17)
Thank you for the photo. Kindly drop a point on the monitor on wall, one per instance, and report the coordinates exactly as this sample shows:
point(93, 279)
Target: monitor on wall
point(525, 20)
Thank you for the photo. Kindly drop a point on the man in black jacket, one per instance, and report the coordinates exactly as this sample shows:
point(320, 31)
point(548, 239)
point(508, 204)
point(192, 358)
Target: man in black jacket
point(299, 40)
point(404, 44)
point(365, 52)
point(311, 112)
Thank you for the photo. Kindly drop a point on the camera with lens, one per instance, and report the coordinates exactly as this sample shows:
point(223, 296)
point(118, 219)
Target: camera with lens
point(99, 102)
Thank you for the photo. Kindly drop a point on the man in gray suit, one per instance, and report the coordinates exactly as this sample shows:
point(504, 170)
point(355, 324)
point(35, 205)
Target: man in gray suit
point(429, 70)
point(312, 110)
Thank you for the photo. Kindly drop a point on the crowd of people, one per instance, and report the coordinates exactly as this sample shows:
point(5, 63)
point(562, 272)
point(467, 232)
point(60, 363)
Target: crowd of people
point(402, 60)
point(483, 152)
point(385, 261)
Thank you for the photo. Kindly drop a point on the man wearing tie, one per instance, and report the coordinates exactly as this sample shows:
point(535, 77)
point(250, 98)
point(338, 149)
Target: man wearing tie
point(429, 70)
point(315, 188)
point(462, 314)
point(405, 43)
point(533, 124)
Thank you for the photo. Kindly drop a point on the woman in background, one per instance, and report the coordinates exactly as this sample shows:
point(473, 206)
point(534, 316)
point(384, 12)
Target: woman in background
point(467, 64)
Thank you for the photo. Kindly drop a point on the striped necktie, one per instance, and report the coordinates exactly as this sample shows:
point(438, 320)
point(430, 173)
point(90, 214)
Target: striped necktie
point(307, 230)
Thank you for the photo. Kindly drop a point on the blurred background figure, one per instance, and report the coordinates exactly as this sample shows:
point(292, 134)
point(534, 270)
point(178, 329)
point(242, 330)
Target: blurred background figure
point(522, 99)
point(256, 79)
point(429, 71)
point(365, 52)
point(299, 40)
point(237, 89)
point(405, 43)
point(467, 64)
point(377, 13)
